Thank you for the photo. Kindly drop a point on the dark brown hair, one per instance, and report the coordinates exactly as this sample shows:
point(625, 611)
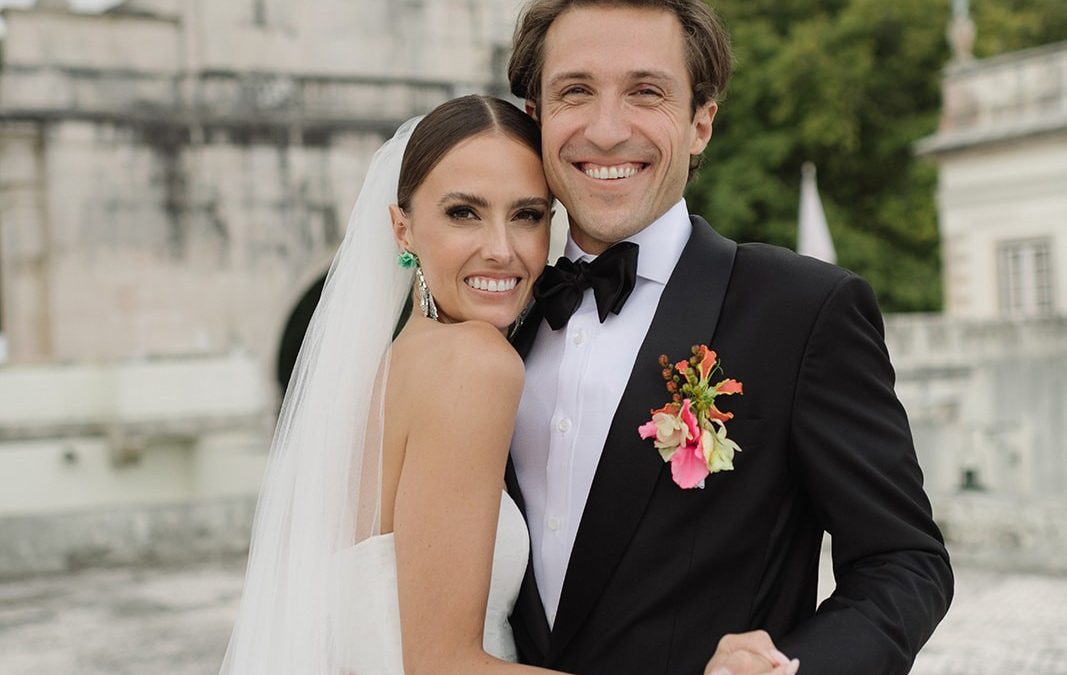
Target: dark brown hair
point(707, 46)
point(450, 124)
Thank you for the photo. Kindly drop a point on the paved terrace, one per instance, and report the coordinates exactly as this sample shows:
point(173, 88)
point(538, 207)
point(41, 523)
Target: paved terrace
point(175, 621)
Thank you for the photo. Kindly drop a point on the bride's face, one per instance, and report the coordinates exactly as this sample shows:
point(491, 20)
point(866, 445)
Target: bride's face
point(479, 223)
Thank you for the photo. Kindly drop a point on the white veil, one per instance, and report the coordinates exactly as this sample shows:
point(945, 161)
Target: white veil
point(321, 490)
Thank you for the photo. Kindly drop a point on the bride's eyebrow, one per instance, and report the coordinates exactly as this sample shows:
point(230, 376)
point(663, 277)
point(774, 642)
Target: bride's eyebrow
point(474, 200)
point(529, 201)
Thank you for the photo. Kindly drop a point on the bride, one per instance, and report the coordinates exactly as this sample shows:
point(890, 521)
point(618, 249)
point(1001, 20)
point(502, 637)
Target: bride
point(383, 541)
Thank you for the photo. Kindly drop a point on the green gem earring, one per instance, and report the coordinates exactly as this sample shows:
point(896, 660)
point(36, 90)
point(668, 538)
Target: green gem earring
point(407, 259)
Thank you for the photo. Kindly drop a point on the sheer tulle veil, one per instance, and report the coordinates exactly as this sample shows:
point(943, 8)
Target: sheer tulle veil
point(321, 490)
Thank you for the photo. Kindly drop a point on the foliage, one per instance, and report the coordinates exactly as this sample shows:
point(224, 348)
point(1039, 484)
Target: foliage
point(850, 85)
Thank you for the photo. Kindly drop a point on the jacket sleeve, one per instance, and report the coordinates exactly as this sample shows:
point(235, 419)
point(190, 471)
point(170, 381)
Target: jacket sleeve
point(851, 448)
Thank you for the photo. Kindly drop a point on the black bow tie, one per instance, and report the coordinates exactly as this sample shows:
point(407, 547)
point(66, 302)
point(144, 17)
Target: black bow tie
point(611, 276)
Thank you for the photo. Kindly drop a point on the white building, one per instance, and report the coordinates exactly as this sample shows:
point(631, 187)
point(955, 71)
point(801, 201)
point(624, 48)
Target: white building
point(174, 178)
point(985, 384)
point(1002, 157)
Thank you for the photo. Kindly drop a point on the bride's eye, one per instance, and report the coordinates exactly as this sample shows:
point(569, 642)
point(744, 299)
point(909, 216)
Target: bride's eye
point(530, 215)
point(461, 213)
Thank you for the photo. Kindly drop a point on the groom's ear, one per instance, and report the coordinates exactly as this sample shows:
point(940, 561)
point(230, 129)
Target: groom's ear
point(531, 109)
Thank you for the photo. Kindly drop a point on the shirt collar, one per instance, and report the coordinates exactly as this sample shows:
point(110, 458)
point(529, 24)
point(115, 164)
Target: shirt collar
point(660, 243)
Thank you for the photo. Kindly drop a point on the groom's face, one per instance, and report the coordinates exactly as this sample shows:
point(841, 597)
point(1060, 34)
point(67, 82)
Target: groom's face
point(616, 118)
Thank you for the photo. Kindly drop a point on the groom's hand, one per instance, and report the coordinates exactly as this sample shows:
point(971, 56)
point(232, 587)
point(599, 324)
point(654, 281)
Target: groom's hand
point(749, 654)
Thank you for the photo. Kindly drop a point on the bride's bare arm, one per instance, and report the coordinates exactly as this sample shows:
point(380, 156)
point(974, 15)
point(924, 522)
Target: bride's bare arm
point(459, 418)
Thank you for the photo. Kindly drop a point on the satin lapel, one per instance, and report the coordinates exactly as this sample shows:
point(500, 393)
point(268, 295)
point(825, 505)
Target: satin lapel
point(629, 467)
point(531, 627)
point(524, 339)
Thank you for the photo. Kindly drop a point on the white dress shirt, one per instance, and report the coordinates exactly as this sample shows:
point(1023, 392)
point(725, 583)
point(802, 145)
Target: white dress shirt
point(575, 378)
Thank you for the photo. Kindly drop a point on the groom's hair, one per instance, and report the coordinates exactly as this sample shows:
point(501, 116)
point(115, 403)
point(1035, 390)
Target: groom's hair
point(707, 45)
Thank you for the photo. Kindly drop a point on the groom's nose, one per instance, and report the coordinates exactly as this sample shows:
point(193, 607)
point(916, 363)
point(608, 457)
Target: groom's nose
point(607, 126)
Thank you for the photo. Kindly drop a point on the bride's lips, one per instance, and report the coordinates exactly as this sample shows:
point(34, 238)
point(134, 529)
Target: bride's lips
point(496, 285)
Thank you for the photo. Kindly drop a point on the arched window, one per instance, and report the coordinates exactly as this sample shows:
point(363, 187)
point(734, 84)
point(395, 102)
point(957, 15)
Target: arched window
point(295, 328)
point(297, 325)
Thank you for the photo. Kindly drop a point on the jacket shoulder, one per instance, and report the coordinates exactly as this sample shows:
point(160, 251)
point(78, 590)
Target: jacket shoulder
point(786, 274)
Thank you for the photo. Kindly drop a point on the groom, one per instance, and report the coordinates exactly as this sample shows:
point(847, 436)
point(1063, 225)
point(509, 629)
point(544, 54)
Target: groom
point(630, 573)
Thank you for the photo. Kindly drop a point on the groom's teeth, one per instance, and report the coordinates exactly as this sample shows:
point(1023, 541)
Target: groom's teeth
point(492, 285)
point(610, 172)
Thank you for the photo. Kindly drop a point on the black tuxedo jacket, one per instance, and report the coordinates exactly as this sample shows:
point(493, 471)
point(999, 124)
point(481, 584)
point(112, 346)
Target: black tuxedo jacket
point(658, 574)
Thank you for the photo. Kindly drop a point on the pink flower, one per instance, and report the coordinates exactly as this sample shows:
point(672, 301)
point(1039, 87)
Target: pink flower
point(690, 420)
point(672, 428)
point(681, 367)
point(688, 467)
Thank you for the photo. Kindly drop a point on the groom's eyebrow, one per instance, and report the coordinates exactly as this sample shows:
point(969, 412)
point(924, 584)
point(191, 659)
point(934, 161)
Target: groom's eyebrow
point(567, 76)
point(580, 75)
point(475, 200)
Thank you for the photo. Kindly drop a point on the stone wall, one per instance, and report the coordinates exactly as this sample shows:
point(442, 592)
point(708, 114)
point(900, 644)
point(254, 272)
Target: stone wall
point(987, 401)
point(175, 176)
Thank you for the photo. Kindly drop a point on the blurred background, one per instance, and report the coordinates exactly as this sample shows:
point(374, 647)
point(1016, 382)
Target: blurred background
point(175, 176)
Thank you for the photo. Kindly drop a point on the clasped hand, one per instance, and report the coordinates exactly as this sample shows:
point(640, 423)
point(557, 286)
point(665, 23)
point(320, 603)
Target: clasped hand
point(750, 653)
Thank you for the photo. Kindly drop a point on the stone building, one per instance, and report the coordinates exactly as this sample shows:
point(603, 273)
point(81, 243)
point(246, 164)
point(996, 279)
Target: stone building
point(985, 383)
point(174, 178)
point(1001, 151)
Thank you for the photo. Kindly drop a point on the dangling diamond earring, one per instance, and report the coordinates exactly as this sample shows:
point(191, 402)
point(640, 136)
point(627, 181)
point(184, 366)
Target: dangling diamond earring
point(408, 259)
point(426, 303)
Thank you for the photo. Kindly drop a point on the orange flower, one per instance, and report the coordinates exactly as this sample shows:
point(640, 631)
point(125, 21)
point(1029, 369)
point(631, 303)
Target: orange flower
point(707, 363)
point(727, 387)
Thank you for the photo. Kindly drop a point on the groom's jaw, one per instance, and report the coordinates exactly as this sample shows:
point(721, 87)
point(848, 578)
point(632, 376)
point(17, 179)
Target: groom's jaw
point(611, 171)
point(492, 284)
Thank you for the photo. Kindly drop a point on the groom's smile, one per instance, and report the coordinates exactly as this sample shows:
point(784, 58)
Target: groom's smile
point(612, 172)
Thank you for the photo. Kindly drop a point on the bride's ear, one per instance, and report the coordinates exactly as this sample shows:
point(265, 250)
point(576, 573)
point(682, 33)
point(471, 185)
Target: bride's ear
point(401, 227)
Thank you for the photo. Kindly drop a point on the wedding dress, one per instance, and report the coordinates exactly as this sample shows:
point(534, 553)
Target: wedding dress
point(369, 621)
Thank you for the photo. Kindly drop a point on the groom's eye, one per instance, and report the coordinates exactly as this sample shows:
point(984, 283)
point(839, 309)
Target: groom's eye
point(575, 90)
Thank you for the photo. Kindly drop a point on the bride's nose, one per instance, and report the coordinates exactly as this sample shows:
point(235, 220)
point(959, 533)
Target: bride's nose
point(497, 245)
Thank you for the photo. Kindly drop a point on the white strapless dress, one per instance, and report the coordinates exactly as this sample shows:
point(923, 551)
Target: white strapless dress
point(369, 624)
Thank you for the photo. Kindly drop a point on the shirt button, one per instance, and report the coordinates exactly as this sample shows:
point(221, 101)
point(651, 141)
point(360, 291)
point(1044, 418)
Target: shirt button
point(564, 425)
point(579, 337)
point(553, 523)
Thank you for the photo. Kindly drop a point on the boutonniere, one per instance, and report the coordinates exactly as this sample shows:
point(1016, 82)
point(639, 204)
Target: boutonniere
point(690, 431)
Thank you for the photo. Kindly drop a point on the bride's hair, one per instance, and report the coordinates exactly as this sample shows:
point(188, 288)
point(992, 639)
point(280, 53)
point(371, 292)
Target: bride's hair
point(450, 124)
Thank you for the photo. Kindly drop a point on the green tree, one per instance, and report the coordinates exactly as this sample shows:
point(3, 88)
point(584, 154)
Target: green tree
point(850, 85)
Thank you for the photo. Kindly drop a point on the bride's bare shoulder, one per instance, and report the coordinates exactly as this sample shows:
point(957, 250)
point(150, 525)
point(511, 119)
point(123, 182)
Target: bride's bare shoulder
point(450, 357)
